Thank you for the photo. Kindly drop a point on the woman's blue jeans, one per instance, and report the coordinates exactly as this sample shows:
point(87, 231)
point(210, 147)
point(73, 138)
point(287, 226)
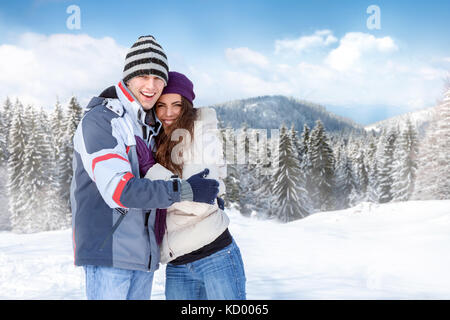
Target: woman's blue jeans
point(219, 276)
point(107, 283)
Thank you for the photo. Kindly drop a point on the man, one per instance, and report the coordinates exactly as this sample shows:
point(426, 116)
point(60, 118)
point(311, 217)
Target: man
point(113, 209)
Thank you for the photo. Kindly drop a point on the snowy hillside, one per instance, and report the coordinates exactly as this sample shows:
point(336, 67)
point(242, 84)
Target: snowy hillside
point(390, 251)
point(270, 112)
point(419, 119)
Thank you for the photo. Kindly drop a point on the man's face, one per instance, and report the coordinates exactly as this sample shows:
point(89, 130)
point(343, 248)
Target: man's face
point(146, 89)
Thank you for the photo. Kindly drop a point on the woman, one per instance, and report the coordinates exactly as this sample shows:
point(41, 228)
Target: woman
point(203, 260)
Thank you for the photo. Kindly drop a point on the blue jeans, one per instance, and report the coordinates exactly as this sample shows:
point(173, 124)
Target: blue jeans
point(107, 283)
point(219, 276)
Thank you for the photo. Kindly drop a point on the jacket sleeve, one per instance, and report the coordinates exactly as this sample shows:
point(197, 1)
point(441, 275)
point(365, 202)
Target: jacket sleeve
point(104, 155)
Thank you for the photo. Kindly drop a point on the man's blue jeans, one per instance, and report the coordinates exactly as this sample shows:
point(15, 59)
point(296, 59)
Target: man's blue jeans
point(219, 276)
point(107, 283)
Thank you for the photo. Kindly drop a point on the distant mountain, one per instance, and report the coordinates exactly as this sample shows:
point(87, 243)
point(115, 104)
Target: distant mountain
point(269, 112)
point(420, 119)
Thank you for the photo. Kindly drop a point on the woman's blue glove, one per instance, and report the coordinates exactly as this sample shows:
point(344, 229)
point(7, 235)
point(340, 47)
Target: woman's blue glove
point(204, 190)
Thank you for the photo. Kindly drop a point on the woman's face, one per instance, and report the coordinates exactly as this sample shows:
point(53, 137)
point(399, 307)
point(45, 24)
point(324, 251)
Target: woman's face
point(168, 108)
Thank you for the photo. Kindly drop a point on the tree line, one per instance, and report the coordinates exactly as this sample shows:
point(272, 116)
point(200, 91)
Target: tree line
point(318, 171)
point(37, 149)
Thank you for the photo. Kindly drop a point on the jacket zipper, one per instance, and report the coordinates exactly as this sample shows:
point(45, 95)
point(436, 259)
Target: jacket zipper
point(123, 213)
point(147, 216)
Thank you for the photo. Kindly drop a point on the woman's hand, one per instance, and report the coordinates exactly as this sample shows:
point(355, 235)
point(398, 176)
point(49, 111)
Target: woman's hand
point(204, 190)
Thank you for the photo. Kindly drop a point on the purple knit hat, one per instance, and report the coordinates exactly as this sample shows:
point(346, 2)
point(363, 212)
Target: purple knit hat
point(179, 83)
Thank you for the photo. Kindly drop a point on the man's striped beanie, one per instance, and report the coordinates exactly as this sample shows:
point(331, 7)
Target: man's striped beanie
point(146, 57)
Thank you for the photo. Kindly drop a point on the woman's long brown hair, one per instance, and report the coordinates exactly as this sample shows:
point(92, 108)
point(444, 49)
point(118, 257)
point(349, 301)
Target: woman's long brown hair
point(164, 143)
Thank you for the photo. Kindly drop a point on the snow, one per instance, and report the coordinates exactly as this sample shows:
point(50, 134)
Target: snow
point(371, 251)
point(417, 118)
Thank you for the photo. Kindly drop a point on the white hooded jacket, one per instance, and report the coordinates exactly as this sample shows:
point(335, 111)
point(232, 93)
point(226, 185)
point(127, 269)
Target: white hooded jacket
point(192, 225)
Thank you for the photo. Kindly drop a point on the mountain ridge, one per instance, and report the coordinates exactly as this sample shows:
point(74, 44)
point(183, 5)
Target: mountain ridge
point(270, 111)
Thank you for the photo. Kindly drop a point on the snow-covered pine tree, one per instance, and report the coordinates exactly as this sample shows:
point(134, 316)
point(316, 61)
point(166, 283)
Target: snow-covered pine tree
point(345, 181)
point(322, 163)
point(15, 161)
point(33, 216)
point(433, 175)
point(304, 144)
point(5, 124)
point(296, 142)
point(443, 157)
point(374, 186)
point(298, 147)
point(290, 195)
point(306, 165)
point(246, 151)
point(259, 153)
point(58, 129)
point(406, 165)
point(372, 167)
point(386, 166)
point(232, 179)
point(74, 115)
point(362, 178)
point(64, 161)
point(266, 204)
point(43, 126)
point(58, 132)
point(56, 216)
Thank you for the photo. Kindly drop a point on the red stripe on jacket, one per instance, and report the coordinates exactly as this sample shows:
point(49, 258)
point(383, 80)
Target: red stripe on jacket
point(125, 92)
point(106, 157)
point(120, 186)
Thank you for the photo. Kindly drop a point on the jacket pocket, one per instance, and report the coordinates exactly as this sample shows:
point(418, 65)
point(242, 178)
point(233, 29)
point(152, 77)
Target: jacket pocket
point(123, 213)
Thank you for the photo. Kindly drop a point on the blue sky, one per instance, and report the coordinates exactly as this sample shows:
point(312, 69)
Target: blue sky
point(321, 51)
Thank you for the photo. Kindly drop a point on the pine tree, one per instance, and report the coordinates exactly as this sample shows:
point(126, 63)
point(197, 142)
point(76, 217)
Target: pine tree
point(374, 186)
point(5, 124)
point(345, 181)
point(58, 129)
point(386, 167)
point(232, 179)
point(306, 165)
point(405, 172)
point(248, 183)
point(322, 163)
point(58, 132)
point(443, 156)
point(297, 145)
point(290, 195)
point(64, 161)
point(32, 219)
point(432, 180)
point(372, 167)
point(16, 158)
point(362, 177)
point(74, 115)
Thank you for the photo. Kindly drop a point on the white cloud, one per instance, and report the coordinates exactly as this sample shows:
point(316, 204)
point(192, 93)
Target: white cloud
point(363, 70)
point(321, 38)
point(245, 56)
point(39, 68)
point(354, 45)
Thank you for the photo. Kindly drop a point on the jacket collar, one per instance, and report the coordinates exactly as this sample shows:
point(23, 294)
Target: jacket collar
point(148, 119)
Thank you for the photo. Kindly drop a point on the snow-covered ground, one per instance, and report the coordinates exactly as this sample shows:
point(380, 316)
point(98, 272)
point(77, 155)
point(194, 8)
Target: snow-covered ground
point(390, 251)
